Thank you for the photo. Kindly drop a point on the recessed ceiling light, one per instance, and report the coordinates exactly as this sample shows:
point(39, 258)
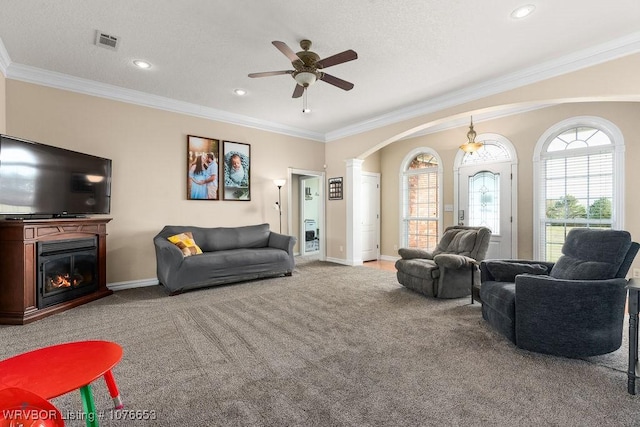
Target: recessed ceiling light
point(141, 64)
point(523, 11)
point(240, 92)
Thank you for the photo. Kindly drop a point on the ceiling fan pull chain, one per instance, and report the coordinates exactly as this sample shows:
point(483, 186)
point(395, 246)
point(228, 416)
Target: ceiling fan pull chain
point(304, 102)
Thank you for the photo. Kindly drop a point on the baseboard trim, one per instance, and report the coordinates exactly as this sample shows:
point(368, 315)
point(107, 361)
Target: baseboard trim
point(338, 261)
point(119, 286)
point(131, 284)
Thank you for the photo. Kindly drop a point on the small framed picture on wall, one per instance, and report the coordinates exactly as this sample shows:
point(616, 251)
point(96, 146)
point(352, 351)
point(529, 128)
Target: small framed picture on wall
point(237, 171)
point(335, 188)
point(202, 168)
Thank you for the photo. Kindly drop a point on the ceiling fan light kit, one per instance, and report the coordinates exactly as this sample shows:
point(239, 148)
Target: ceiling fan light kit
point(306, 68)
point(305, 78)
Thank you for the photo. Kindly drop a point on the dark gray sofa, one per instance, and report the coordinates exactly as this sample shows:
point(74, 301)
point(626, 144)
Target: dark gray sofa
point(573, 307)
point(230, 254)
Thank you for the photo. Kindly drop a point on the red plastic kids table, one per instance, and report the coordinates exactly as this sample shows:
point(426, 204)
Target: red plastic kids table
point(53, 371)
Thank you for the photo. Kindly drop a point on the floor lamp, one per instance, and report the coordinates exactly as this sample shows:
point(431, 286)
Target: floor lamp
point(280, 183)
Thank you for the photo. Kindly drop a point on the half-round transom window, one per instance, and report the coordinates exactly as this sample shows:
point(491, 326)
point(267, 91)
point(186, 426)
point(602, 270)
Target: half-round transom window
point(423, 161)
point(579, 137)
point(491, 151)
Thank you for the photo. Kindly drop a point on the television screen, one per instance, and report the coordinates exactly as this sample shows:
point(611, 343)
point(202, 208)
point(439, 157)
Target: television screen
point(38, 179)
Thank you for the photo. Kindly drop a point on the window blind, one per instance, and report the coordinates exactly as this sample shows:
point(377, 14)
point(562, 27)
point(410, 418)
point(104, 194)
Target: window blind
point(577, 192)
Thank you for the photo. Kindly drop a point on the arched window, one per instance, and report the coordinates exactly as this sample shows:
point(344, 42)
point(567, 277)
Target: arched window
point(421, 178)
point(492, 150)
point(580, 172)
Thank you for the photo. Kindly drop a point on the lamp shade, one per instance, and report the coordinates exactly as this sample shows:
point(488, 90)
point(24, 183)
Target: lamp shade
point(305, 78)
point(471, 146)
point(279, 182)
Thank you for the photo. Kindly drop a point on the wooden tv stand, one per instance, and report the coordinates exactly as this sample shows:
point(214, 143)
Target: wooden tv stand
point(18, 239)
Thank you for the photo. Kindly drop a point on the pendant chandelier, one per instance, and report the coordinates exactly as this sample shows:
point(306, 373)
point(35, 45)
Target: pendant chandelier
point(471, 146)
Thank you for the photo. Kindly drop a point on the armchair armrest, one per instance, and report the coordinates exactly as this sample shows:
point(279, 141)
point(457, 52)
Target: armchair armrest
point(411, 253)
point(453, 261)
point(581, 314)
point(505, 270)
point(634, 284)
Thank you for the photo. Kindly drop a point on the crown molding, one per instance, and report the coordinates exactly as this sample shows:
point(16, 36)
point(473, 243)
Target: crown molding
point(576, 61)
point(478, 118)
point(62, 81)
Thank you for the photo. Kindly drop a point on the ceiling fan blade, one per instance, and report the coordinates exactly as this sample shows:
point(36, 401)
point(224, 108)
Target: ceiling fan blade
point(270, 73)
point(342, 84)
point(298, 91)
point(282, 47)
point(339, 58)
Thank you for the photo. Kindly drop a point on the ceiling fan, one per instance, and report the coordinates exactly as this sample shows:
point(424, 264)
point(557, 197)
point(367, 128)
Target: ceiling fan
point(308, 67)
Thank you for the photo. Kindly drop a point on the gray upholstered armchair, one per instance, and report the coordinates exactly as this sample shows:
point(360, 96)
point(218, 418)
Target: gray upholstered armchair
point(446, 272)
point(573, 307)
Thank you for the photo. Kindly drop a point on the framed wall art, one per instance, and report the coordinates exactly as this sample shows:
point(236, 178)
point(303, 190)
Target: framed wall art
point(237, 171)
point(335, 188)
point(203, 169)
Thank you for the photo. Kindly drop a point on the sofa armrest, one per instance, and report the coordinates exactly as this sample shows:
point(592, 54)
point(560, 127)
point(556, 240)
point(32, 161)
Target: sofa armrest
point(168, 257)
point(282, 241)
point(412, 253)
point(453, 261)
point(168, 251)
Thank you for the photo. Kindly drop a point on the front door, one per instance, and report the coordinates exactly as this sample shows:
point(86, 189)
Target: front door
point(485, 200)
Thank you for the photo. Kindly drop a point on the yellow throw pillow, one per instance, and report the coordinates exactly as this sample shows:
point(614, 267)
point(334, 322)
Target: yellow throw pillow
point(185, 242)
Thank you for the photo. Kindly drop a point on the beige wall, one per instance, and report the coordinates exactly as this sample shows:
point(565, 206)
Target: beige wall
point(148, 149)
point(523, 130)
point(612, 81)
point(148, 146)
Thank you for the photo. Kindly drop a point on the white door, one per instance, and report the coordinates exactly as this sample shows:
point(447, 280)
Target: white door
point(485, 200)
point(370, 216)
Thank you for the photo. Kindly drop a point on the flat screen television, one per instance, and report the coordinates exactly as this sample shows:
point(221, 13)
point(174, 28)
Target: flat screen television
point(38, 180)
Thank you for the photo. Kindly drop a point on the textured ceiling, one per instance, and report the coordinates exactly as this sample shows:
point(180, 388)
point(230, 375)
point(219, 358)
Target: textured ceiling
point(410, 51)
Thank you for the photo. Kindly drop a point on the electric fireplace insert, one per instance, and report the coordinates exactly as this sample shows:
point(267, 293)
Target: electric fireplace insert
point(67, 269)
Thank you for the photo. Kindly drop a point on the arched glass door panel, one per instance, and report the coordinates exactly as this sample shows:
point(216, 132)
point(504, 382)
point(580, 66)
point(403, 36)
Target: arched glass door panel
point(484, 200)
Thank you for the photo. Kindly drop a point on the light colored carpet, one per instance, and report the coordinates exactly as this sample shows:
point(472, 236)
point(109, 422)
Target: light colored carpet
point(330, 346)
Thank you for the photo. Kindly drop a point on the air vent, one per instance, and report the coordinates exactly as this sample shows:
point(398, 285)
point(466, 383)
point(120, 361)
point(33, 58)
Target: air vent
point(107, 41)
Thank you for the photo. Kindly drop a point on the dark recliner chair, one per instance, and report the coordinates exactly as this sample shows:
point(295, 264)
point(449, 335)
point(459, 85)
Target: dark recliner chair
point(449, 270)
point(573, 307)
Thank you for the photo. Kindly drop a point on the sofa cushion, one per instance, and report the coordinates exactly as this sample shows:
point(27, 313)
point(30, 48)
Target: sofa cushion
point(504, 271)
point(211, 266)
point(590, 254)
point(225, 238)
point(184, 241)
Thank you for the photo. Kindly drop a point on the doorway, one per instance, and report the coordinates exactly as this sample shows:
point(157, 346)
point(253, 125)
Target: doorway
point(306, 205)
point(309, 237)
point(486, 193)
